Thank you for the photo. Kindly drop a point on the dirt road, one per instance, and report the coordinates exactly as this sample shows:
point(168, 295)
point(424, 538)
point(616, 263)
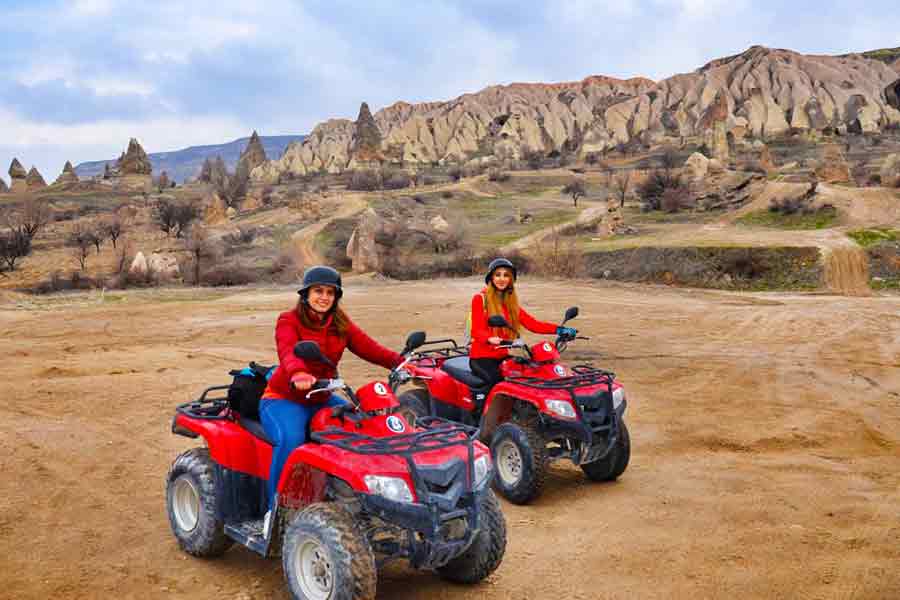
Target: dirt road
point(765, 431)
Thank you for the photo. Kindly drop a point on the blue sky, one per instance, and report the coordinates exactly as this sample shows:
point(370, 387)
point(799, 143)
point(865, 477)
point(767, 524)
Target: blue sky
point(81, 77)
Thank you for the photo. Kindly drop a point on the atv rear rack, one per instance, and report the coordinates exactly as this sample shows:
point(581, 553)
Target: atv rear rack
point(450, 350)
point(205, 407)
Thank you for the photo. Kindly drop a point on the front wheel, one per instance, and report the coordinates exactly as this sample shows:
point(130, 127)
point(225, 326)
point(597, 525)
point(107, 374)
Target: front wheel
point(325, 557)
point(486, 552)
point(413, 404)
point(520, 458)
point(613, 464)
point(191, 504)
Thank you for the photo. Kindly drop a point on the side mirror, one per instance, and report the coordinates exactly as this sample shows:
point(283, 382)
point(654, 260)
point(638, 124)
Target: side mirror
point(498, 321)
point(307, 350)
point(571, 313)
point(415, 339)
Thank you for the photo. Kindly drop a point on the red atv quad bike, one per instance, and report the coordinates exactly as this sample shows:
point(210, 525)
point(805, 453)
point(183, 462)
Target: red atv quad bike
point(542, 411)
point(366, 489)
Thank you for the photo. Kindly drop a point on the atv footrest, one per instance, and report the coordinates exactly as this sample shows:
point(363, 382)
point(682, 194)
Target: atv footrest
point(249, 534)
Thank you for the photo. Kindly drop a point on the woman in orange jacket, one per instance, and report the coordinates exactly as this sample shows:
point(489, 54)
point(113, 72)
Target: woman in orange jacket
point(499, 298)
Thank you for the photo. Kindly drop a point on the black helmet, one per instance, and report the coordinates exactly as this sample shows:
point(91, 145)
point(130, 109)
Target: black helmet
point(321, 275)
point(496, 264)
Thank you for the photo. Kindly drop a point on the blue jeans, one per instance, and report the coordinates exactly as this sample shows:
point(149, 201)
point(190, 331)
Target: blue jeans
point(285, 422)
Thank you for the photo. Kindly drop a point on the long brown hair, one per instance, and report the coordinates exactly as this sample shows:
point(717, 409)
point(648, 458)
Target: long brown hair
point(496, 300)
point(339, 324)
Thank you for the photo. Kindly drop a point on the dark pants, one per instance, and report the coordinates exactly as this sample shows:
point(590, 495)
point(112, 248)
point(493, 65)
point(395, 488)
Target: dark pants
point(487, 369)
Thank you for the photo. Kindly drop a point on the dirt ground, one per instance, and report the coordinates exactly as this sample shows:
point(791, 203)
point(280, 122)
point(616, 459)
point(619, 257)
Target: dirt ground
point(765, 432)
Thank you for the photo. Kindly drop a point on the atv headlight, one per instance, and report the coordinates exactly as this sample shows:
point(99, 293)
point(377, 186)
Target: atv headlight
point(482, 471)
point(392, 488)
point(618, 397)
point(561, 407)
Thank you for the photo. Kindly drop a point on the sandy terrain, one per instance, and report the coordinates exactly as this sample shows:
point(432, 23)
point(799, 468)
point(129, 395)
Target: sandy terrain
point(765, 431)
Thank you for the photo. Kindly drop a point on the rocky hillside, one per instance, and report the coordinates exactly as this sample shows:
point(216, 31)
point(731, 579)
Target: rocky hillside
point(759, 93)
point(186, 163)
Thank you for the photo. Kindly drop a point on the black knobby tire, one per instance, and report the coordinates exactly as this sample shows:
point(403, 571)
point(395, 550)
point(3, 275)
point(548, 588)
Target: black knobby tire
point(191, 504)
point(334, 532)
point(613, 464)
point(532, 456)
point(486, 552)
point(413, 404)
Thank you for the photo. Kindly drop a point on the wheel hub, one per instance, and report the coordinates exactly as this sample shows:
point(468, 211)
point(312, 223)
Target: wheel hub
point(509, 462)
point(314, 570)
point(186, 503)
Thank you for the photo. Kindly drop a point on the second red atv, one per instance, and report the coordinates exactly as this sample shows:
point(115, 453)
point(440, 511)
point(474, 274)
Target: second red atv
point(542, 411)
point(367, 488)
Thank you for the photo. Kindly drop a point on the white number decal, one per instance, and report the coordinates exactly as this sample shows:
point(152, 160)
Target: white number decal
point(380, 389)
point(395, 424)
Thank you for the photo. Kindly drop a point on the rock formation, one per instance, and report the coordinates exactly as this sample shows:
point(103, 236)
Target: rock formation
point(765, 159)
point(890, 171)
point(17, 177)
point(215, 209)
point(757, 94)
point(3, 187)
point(67, 176)
point(366, 144)
point(133, 170)
point(138, 266)
point(254, 154)
point(134, 161)
point(833, 167)
point(696, 166)
point(34, 180)
point(361, 249)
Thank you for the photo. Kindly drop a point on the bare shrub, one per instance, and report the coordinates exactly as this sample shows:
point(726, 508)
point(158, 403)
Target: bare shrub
point(558, 256)
point(455, 173)
point(676, 199)
point(244, 236)
point(174, 217)
point(200, 247)
point(363, 181)
point(791, 206)
point(669, 159)
point(446, 194)
point(498, 175)
point(652, 189)
point(228, 275)
point(752, 166)
point(534, 159)
point(395, 180)
point(576, 189)
point(591, 158)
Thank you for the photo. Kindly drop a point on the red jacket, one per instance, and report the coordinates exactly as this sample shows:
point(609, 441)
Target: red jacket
point(481, 332)
point(289, 330)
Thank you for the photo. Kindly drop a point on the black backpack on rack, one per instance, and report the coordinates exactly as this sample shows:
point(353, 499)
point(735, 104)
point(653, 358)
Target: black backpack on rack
point(247, 388)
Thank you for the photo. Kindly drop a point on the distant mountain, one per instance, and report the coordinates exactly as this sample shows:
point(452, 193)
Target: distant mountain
point(185, 164)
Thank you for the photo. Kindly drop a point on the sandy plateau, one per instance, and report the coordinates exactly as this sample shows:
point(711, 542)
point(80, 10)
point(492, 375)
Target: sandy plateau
point(765, 432)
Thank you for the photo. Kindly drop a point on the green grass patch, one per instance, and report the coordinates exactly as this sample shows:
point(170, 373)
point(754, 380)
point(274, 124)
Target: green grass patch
point(513, 232)
point(885, 283)
point(876, 235)
point(820, 219)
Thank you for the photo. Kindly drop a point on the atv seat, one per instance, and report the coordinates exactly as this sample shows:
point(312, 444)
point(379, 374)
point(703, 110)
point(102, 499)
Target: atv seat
point(255, 428)
point(458, 368)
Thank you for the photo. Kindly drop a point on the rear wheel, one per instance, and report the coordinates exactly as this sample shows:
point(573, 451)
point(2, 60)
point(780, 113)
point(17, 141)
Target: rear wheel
point(520, 458)
point(325, 557)
point(486, 552)
point(191, 504)
point(413, 404)
point(613, 464)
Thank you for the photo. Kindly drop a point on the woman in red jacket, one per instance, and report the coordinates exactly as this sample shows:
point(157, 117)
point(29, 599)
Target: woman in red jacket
point(286, 407)
point(499, 298)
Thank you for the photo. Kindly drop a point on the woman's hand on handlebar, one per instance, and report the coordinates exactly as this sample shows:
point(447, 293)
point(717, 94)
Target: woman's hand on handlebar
point(302, 381)
point(495, 340)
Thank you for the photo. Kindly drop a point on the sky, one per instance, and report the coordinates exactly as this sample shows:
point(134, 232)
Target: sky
point(81, 77)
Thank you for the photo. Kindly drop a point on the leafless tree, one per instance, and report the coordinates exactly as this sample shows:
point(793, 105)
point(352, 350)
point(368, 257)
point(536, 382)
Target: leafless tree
point(28, 219)
point(13, 246)
point(81, 238)
point(174, 217)
point(199, 244)
point(669, 159)
point(112, 228)
point(576, 189)
point(621, 184)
